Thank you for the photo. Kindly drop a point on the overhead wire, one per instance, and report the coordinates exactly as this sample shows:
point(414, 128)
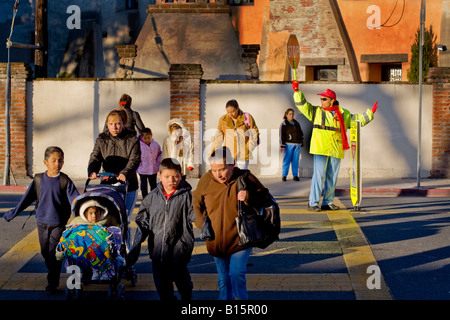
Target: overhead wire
point(399, 19)
point(384, 25)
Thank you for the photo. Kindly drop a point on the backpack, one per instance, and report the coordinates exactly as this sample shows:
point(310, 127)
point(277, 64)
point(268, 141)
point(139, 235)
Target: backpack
point(247, 120)
point(247, 125)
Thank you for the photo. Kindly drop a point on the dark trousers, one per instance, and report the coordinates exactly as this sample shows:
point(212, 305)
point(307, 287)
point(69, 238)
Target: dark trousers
point(49, 237)
point(145, 181)
point(165, 273)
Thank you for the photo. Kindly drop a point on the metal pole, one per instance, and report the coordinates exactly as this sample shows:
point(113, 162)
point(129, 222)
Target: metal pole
point(422, 34)
point(7, 168)
point(7, 126)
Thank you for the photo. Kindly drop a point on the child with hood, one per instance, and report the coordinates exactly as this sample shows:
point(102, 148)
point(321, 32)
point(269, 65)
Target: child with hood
point(178, 145)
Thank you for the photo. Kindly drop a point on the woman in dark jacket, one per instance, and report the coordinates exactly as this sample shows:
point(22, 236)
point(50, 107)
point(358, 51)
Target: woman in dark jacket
point(134, 120)
point(118, 151)
point(291, 140)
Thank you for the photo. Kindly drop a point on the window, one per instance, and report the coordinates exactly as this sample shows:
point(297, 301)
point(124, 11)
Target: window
point(391, 72)
point(325, 73)
point(240, 2)
point(132, 4)
point(385, 67)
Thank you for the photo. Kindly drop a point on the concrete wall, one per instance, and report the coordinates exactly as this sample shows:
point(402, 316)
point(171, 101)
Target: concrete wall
point(76, 111)
point(389, 143)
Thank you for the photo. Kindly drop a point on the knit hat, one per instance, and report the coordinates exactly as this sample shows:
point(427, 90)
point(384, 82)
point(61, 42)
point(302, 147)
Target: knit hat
point(92, 203)
point(328, 94)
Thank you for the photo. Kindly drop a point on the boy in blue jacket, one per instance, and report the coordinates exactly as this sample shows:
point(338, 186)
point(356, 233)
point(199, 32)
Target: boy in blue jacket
point(54, 192)
point(165, 217)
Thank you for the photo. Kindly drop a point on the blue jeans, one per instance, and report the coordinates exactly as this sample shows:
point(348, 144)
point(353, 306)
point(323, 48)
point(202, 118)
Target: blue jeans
point(324, 178)
point(291, 157)
point(231, 271)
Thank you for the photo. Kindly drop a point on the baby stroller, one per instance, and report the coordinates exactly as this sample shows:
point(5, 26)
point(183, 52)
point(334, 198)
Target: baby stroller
point(99, 250)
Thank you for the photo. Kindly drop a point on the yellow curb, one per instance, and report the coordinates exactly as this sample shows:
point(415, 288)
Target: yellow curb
point(357, 255)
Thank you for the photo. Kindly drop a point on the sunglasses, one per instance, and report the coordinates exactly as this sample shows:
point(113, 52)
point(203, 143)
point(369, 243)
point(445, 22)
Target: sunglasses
point(325, 99)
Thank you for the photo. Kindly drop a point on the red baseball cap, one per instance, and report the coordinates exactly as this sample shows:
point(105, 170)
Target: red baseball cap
point(328, 94)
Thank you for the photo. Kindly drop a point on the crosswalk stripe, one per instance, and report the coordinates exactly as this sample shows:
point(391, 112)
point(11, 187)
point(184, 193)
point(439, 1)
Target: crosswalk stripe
point(306, 224)
point(18, 256)
point(331, 282)
point(350, 244)
point(289, 247)
point(299, 211)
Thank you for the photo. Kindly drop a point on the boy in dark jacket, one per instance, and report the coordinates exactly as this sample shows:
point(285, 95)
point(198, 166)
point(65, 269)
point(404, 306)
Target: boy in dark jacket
point(165, 217)
point(55, 195)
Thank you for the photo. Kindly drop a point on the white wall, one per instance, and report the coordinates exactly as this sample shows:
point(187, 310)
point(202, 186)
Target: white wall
point(389, 143)
point(70, 114)
point(76, 111)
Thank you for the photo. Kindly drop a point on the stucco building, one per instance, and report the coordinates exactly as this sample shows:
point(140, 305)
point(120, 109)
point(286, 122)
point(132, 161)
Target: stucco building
point(340, 40)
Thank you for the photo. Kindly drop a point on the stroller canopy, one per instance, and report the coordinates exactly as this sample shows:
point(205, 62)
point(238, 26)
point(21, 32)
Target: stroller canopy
point(108, 198)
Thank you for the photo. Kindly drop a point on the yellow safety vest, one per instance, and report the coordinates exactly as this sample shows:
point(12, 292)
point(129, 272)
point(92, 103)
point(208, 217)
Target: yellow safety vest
point(326, 134)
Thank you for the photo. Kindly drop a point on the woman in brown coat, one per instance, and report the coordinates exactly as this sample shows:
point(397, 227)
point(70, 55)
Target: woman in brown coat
point(217, 195)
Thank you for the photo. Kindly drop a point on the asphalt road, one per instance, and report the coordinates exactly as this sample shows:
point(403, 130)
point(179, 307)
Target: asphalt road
point(410, 238)
point(316, 258)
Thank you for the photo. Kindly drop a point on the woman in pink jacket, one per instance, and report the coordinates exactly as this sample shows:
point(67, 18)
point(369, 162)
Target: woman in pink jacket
point(150, 160)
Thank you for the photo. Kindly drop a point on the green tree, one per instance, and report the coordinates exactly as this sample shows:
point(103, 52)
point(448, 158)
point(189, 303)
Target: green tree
point(430, 55)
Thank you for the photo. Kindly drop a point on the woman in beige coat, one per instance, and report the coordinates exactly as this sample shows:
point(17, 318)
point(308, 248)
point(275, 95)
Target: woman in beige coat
point(237, 130)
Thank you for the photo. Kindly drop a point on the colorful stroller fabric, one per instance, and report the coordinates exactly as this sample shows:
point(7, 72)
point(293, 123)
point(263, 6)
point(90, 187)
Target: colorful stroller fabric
point(91, 246)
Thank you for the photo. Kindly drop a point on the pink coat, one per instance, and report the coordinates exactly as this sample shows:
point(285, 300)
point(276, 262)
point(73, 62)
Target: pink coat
point(150, 158)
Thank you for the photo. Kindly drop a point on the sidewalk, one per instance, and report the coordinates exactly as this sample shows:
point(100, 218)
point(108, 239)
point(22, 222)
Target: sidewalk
point(371, 187)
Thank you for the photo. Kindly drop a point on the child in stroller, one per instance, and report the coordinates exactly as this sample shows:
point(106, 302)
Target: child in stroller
point(95, 238)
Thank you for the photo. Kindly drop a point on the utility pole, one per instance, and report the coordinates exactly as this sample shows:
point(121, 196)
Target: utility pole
point(9, 44)
point(422, 35)
point(41, 39)
point(7, 167)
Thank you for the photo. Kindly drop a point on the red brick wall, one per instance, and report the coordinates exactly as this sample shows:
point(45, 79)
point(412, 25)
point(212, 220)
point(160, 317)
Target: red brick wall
point(440, 166)
point(185, 101)
point(218, 6)
point(18, 118)
point(317, 26)
point(313, 23)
